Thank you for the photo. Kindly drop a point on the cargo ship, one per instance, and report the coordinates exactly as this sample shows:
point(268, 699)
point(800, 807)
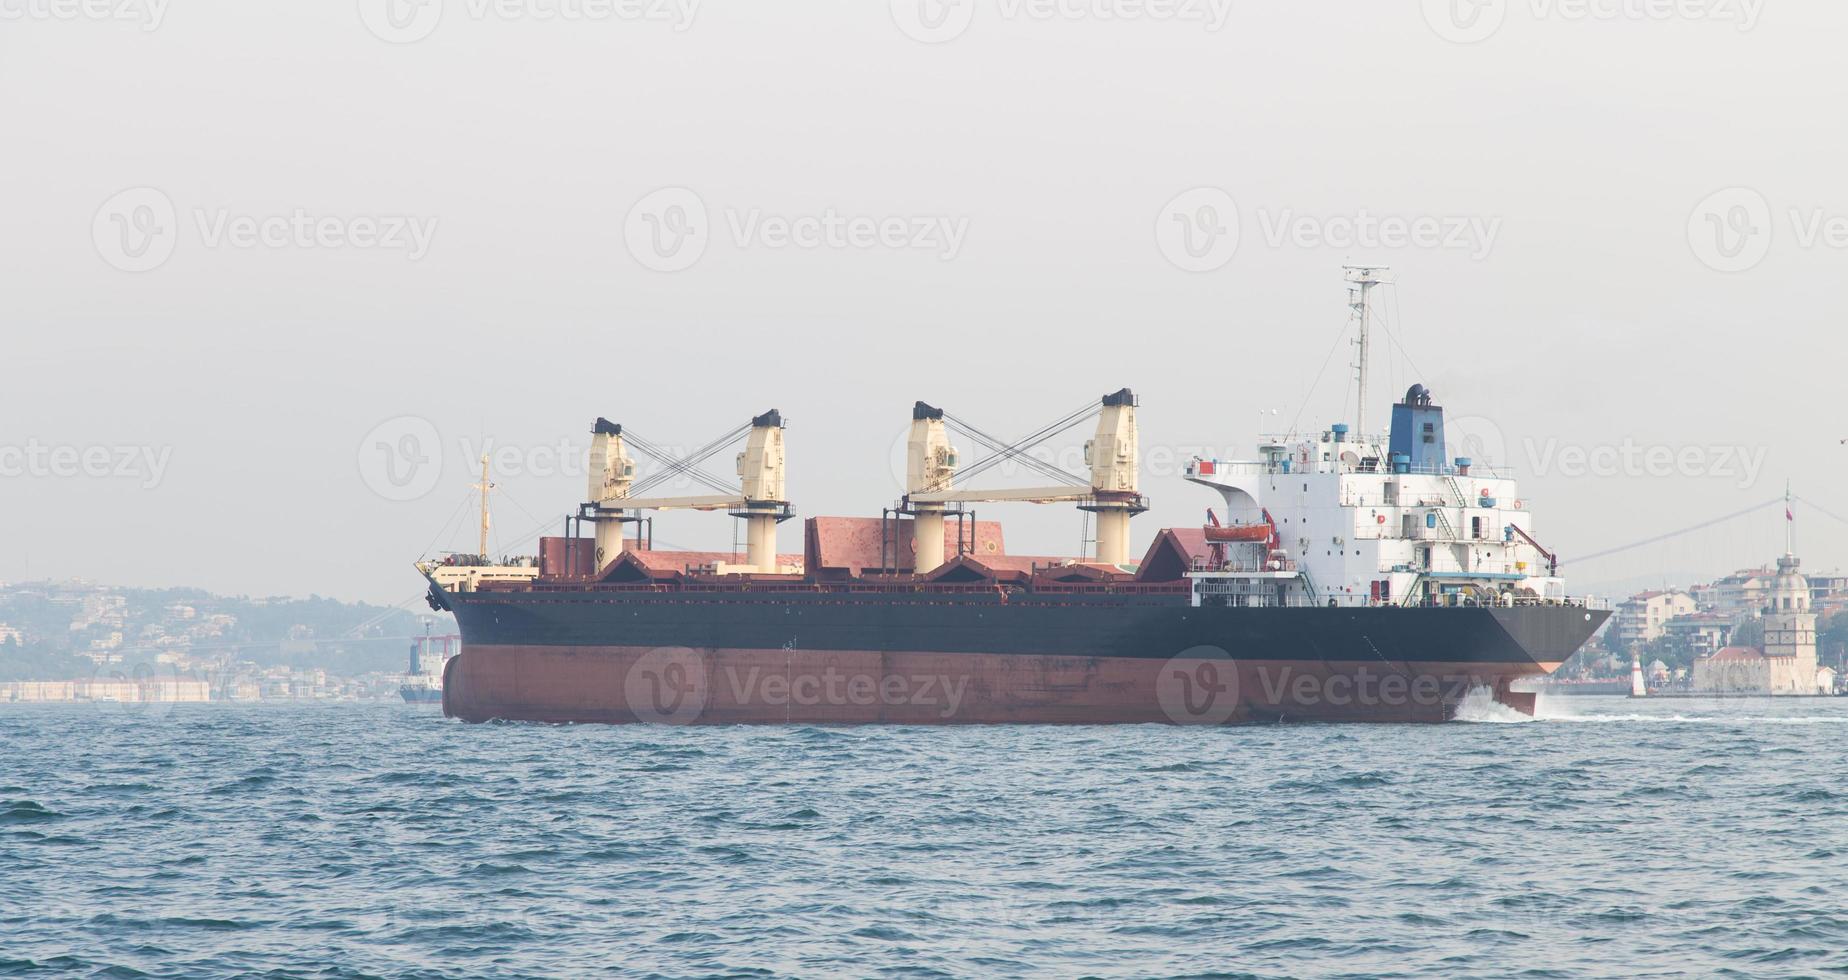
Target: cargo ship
point(1356, 576)
point(423, 679)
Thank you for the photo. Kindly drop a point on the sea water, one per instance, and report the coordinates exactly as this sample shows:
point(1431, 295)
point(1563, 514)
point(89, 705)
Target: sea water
point(1608, 838)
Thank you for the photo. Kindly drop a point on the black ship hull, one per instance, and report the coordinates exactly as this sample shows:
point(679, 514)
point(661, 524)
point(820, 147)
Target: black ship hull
point(846, 656)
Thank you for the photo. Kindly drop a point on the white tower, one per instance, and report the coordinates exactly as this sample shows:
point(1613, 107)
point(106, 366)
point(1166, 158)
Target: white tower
point(1790, 631)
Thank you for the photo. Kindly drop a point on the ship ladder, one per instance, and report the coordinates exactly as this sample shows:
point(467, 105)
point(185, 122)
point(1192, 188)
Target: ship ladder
point(1443, 522)
point(1456, 490)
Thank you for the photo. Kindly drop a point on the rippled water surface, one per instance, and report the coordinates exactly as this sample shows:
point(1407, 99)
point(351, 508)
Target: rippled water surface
point(1651, 839)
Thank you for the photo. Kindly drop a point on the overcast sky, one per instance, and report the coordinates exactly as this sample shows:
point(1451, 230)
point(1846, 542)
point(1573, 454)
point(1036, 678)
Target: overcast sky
point(259, 260)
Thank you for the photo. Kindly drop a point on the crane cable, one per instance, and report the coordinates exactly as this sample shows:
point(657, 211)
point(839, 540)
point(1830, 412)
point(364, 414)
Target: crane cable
point(1017, 449)
point(685, 465)
point(1673, 534)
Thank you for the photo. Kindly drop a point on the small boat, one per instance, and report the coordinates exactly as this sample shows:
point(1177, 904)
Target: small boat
point(421, 694)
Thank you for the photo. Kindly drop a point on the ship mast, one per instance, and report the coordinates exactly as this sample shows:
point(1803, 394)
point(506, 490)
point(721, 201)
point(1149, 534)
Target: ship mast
point(484, 486)
point(1361, 281)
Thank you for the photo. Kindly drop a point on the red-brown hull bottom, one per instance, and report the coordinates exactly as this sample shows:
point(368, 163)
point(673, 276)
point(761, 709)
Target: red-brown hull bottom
point(615, 684)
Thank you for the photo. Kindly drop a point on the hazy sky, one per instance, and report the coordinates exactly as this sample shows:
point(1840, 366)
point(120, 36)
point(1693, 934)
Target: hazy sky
point(422, 227)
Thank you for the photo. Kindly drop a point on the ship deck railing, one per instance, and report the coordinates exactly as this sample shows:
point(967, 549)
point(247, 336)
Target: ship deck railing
point(1259, 594)
point(857, 587)
point(1202, 563)
point(1246, 467)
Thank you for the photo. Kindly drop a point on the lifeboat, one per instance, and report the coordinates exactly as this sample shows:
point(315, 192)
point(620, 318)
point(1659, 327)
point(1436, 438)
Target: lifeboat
point(1238, 532)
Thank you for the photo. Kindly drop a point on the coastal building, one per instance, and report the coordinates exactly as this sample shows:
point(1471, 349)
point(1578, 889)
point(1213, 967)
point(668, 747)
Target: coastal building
point(1732, 670)
point(123, 689)
point(1786, 664)
point(1743, 592)
point(1828, 589)
point(1700, 634)
point(1643, 616)
point(38, 691)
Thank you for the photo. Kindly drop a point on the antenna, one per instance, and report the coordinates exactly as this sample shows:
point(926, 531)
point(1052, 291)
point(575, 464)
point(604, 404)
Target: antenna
point(484, 486)
point(1361, 280)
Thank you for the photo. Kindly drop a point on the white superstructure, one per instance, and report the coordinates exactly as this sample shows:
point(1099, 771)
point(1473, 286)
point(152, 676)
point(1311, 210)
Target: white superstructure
point(1356, 518)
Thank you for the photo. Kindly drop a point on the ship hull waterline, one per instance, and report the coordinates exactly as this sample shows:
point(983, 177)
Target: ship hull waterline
point(799, 660)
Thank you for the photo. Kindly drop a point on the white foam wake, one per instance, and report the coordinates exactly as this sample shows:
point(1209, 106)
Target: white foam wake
point(1480, 707)
point(1719, 711)
point(1702, 719)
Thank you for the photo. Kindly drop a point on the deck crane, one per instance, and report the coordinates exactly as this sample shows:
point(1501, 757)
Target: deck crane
point(760, 498)
point(1552, 560)
point(1112, 492)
